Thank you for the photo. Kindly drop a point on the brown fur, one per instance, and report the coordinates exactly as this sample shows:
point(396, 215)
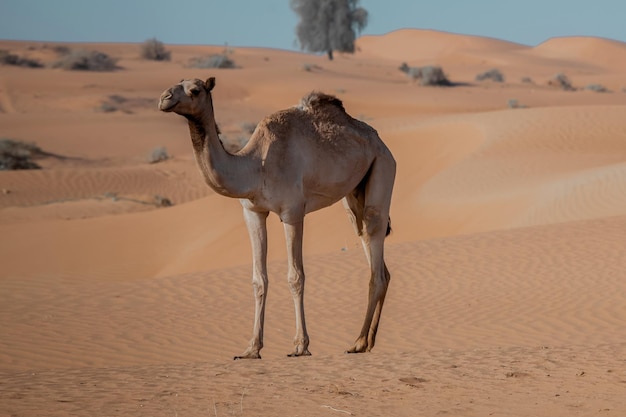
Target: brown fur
point(315, 100)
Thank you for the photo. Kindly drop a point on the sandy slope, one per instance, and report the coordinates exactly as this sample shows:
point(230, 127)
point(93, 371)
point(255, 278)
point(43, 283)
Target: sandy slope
point(507, 256)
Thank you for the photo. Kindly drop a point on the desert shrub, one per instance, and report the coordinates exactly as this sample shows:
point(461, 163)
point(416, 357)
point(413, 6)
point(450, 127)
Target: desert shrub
point(212, 61)
point(513, 103)
point(598, 88)
point(18, 155)
point(117, 99)
point(158, 154)
point(432, 75)
point(61, 49)
point(7, 58)
point(404, 67)
point(154, 50)
point(428, 75)
point(115, 102)
point(82, 60)
point(493, 74)
point(161, 201)
point(112, 103)
point(527, 80)
point(561, 81)
point(107, 107)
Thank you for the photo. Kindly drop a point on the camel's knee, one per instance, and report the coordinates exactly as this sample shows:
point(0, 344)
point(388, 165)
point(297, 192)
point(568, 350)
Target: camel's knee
point(259, 287)
point(374, 221)
point(379, 281)
point(296, 282)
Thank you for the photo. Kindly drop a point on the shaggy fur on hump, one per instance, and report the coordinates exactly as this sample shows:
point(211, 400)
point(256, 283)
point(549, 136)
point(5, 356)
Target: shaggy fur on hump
point(316, 100)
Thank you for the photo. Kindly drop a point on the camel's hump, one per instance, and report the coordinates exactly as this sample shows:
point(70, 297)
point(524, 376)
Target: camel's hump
point(316, 100)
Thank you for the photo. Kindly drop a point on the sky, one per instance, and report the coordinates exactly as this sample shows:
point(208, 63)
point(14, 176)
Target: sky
point(271, 23)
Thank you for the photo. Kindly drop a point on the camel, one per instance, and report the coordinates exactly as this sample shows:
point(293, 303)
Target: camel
point(297, 161)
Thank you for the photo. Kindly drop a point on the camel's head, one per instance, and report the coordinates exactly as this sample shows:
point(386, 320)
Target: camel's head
point(188, 97)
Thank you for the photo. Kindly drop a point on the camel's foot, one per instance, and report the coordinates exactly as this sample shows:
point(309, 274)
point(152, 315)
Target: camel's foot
point(248, 356)
point(359, 346)
point(250, 353)
point(304, 352)
point(301, 348)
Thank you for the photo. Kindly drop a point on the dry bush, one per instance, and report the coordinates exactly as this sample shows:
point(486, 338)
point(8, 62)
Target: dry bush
point(493, 74)
point(158, 154)
point(428, 76)
point(7, 58)
point(598, 88)
point(161, 201)
point(15, 154)
point(212, 61)
point(154, 50)
point(513, 103)
point(82, 60)
point(561, 81)
point(116, 102)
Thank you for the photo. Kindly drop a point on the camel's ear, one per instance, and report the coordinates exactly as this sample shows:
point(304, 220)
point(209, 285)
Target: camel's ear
point(209, 83)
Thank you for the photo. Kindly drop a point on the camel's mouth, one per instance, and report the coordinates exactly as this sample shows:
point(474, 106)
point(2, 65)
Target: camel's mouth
point(167, 102)
point(167, 105)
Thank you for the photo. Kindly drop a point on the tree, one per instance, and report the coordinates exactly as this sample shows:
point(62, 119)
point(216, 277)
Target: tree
point(328, 25)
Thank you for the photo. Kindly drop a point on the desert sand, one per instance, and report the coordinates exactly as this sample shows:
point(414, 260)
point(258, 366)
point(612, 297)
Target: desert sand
point(508, 251)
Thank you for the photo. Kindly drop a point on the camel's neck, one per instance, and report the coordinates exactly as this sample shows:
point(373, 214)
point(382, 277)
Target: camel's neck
point(229, 175)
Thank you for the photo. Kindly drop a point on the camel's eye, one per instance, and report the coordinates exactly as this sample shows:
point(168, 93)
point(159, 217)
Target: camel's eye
point(194, 91)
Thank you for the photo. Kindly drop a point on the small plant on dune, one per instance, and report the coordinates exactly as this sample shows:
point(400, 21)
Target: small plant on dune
point(598, 88)
point(7, 58)
point(561, 81)
point(426, 76)
point(493, 74)
point(527, 80)
point(107, 107)
point(212, 61)
point(513, 103)
point(61, 50)
point(158, 154)
point(154, 50)
point(82, 60)
point(432, 75)
point(116, 102)
point(16, 154)
point(311, 67)
point(161, 201)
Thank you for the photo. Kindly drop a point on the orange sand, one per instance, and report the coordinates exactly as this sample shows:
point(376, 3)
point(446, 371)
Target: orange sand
point(508, 292)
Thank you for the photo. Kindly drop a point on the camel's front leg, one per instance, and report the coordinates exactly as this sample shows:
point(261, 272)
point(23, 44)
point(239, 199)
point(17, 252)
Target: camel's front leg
point(373, 240)
point(257, 229)
point(293, 235)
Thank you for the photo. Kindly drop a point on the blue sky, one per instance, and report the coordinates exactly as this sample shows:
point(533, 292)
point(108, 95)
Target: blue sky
point(271, 23)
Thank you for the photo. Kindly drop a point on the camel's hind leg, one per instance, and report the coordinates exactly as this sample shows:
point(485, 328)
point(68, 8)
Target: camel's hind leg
point(368, 208)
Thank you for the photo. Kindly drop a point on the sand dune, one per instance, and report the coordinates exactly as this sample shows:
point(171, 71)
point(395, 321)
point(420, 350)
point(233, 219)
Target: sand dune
point(429, 44)
point(606, 53)
point(508, 289)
